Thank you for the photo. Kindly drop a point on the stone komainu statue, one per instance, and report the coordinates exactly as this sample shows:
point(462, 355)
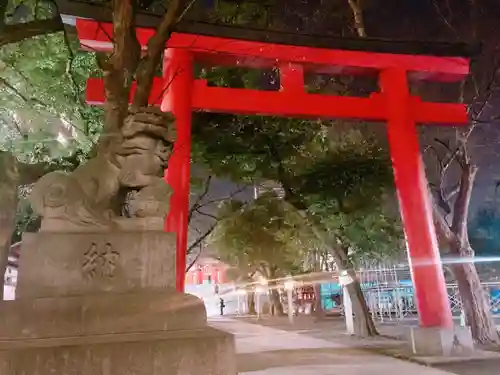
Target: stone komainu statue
point(125, 181)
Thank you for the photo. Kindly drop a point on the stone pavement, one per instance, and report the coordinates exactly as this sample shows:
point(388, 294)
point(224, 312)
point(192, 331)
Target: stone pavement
point(390, 343)
point(270, 351)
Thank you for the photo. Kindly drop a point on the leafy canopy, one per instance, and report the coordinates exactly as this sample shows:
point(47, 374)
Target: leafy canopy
point(43, 114)
point(265, 235)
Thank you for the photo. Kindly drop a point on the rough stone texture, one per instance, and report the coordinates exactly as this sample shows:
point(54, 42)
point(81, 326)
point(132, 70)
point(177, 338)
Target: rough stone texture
point(100, 314)
point(128, 178)
point(66, 264)
point(441, 342)
point(194, 352)
point(105, 304)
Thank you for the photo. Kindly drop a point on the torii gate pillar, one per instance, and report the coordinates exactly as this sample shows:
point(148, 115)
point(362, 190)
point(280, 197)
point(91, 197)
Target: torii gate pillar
point(416, 211)
point(178, 79)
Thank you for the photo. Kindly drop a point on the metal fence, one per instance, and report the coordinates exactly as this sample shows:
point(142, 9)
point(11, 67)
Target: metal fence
point(390, 297)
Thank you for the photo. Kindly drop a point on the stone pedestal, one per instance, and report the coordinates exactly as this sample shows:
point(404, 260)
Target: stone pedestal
point(105, 304)
point(441, 342)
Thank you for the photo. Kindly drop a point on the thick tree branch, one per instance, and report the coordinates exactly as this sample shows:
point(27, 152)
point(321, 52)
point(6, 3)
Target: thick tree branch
point(119, 70)
point(151, 59)
point(21, 31)
point(446, 238)
point(462, 202)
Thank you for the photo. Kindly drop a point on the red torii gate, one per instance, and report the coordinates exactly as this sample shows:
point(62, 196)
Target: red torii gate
point(179, 92)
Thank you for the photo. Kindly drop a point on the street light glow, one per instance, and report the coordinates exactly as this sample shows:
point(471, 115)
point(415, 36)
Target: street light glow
point(289, 284)
point(263, 281)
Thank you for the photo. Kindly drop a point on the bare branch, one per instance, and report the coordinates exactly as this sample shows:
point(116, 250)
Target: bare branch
point(461, 207)
point(453, 191)
point(197, 204)
point(202, 238)
point(445, 20)
point(21, 31)
point(357, 12)
point(16, 92)
point(192, 263)
point(451, 156)
point(206, 214)
point(230, 196)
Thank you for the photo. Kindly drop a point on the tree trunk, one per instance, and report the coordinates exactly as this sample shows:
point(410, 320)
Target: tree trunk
point(364, 325)
point(8, 208)
point(276, 305)
point(276, 301)
point(15, 174)
point(319, 312)
point(251, 303)
point(475, 303)
point(7, 226)
point(474, 300)
point(363, 321)
point(5, 242)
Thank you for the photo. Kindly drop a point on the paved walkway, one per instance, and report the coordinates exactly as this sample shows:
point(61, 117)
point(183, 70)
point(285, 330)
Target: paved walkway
point(270, 351)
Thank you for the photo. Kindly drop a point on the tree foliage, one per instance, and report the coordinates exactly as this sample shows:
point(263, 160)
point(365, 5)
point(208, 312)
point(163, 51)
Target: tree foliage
point(344, 182)
point(44, 122)
point(265, 236)
point(348, 191)
point(43, 117)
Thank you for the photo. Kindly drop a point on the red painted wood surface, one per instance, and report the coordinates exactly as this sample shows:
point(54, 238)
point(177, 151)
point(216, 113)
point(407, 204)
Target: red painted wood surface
point(221, 99)
point(96, 36)
point(178, 70)
point(416, 211)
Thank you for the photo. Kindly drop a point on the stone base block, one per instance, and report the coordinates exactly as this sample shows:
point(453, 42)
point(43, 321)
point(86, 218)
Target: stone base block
point(105, 304)
point(71, 264)
point(441, 342)
point(205, 351)
point(98, 314)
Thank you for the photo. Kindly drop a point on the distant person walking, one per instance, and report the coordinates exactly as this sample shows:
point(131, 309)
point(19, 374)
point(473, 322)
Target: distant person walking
point(222, 306)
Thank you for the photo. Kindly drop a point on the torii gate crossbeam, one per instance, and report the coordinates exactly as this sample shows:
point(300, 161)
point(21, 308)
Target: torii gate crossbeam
point(179, 92)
